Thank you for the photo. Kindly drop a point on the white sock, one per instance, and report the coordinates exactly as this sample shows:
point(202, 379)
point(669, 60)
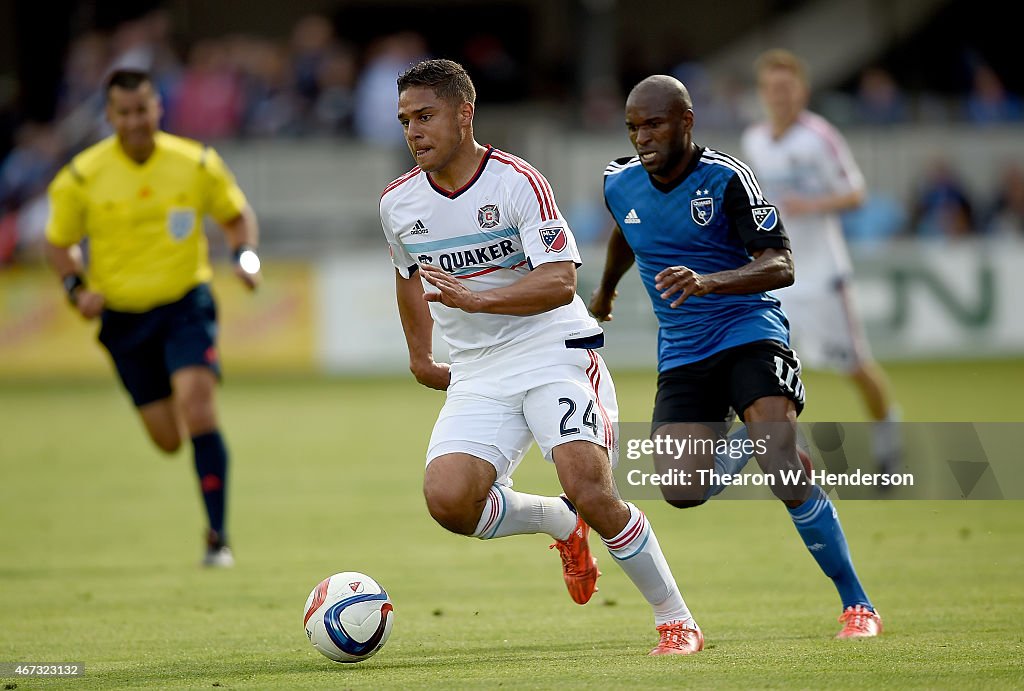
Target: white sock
point(886, 443)
point(637, 550)
point(513, 513)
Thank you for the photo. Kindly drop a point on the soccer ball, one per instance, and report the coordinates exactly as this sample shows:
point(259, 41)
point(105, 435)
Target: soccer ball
point(348, 617)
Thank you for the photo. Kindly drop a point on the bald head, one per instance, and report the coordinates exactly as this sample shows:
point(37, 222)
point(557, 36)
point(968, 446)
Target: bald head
point(659, 119)
point(663, 90)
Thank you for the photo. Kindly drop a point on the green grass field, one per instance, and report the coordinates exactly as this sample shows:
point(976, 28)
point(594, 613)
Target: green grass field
point(100, 542)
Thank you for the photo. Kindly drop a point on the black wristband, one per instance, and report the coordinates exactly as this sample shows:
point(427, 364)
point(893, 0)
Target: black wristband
point(72, 284)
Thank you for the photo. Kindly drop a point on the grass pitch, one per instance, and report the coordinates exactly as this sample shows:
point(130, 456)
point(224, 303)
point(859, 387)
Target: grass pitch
point(100, 542)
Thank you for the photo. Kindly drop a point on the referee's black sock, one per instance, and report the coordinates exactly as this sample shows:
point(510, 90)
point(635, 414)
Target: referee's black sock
point(211, 457)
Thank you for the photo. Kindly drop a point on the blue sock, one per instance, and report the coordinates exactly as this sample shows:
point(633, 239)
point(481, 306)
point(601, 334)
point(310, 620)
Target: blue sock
point(818, 525)
point(211, 457)
point(730, 464)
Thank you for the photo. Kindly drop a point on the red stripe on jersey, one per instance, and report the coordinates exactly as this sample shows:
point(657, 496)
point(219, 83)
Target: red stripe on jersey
point(544, 188)
point(545, 185)
point(400, 181)
point(537, 182)
point(492, 269)
point(830, 135)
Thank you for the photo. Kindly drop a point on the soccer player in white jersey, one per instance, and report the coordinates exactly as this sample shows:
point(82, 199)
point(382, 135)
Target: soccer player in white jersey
point(805, 166)
point(480, 248)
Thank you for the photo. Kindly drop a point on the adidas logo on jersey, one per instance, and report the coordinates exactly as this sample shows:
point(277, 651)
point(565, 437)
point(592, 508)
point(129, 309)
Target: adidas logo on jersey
point(631, 217)
point(418, 228)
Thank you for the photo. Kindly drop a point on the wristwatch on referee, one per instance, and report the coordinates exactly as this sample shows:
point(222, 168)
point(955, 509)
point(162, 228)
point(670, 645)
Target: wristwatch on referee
point(247, 259)
point(72, 284)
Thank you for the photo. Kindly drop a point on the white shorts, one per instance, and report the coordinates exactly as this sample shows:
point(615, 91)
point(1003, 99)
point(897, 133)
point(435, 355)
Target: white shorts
point(499, 405)
point(826, 331)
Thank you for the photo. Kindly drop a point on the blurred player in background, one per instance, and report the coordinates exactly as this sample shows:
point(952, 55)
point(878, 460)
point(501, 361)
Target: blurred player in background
point(709, 246)
point(137, 201)
point(480, 247)
point(806, 167)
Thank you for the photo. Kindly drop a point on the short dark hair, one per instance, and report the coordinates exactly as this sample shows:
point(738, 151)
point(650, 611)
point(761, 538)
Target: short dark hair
point(128, 79)
point(447, 78)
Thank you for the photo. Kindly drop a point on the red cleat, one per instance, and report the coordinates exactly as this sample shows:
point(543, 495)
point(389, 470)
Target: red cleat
point(859, 622)
point(579, 567)
point(677, 639)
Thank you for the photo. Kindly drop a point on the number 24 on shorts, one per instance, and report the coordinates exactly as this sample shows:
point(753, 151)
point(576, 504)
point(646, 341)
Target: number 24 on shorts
point(589, 417)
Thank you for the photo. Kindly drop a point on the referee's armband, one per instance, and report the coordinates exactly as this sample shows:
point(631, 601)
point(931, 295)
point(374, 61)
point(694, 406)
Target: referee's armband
point(72, 284)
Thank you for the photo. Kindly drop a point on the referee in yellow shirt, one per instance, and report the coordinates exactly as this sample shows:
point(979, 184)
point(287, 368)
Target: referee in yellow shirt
point(138, 199)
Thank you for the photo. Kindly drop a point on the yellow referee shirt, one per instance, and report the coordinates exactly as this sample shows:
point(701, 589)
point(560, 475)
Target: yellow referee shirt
point(144, 221)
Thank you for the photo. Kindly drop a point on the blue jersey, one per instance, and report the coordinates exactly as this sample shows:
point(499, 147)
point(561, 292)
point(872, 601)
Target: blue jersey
point(710, 220)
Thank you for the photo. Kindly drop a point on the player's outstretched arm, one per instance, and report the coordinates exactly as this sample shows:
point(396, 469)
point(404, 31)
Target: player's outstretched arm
point(243, 236)
point(418, 326)
point(823, 204)
point(548, 286)
point(618, 260)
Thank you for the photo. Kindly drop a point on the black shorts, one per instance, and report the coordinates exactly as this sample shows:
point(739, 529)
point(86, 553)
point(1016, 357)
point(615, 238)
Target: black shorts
point(147, 347)
point(734, 378)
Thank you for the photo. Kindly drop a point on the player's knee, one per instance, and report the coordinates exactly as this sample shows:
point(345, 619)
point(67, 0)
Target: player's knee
point(685, 503)
point(167, 443)
point(451, 511)
point(199, 416)
point(590, 500)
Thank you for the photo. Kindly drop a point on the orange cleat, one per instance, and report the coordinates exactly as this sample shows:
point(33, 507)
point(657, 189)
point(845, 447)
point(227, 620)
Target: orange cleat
point(579, 567)
point(677, 639)
point(859, 622)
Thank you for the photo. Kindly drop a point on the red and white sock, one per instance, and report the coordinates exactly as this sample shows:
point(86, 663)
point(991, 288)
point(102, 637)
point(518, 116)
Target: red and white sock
point(513, 513)
point(637, 551)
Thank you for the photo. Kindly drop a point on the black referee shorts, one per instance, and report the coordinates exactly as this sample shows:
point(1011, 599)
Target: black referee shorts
point(147, 347)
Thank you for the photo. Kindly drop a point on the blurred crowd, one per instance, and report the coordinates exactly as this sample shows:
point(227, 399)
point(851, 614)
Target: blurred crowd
point(944, 208)
point(313, 83)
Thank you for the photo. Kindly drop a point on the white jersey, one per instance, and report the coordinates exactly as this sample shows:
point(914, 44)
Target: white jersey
point(490, 233)
point(811, 159)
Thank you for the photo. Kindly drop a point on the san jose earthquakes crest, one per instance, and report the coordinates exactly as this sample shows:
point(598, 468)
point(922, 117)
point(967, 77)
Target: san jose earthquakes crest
point(553, 239)
point(702, 210)
point(487, 216)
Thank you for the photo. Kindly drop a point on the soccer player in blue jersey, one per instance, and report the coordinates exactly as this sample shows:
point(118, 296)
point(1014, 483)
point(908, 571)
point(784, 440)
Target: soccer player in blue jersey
point(709, 247)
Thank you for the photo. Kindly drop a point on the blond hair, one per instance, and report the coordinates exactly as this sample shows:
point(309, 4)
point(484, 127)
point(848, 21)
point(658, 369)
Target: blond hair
point(781, 59)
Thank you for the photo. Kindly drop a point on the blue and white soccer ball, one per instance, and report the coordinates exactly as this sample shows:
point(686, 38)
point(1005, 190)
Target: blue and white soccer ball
point(348, 617)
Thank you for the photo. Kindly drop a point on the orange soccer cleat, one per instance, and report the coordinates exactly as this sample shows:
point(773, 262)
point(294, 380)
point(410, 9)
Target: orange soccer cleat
point(679, 639)
point(859, 622)
point(579, 567)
